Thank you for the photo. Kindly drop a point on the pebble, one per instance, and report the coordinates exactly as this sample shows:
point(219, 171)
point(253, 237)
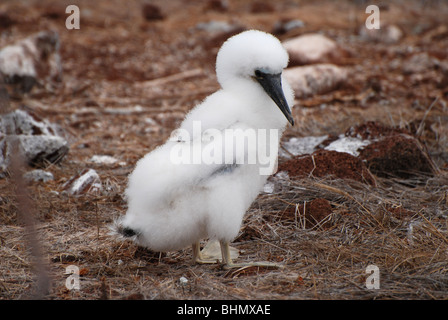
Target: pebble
point(86, 182)
point(307, 81)
point(312, 48)
point(103, 159)
point(32, 60)
point(37, 139)
point(38, 175)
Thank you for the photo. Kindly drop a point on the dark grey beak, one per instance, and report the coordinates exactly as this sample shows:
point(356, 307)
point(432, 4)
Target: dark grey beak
point(272, 84)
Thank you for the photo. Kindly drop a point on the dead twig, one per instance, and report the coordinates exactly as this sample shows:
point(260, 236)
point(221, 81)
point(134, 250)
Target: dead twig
point(25, 214)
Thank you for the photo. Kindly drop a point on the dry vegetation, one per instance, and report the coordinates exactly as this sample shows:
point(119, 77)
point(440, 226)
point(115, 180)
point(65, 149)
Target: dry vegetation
point(118, 61)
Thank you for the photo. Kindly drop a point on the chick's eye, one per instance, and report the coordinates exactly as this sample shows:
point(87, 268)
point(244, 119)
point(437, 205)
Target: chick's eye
point(259, 74)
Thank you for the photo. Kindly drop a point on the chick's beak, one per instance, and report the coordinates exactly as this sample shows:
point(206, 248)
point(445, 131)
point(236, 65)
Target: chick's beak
point(272, 85)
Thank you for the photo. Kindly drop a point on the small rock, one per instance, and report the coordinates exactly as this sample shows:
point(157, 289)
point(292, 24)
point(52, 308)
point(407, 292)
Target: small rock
point(38, 175)
point(86, 182)
point(42, 149)
point(32, 60)
point(37, 139)
point(420, 63)
point(307, 81)
point(299, 146)
point(215, 26)
point(269, 187)
point(103, 159)
point(313, 48)
point(350, 145)
point(183, 281)
point(386, 34)
point(19, 122)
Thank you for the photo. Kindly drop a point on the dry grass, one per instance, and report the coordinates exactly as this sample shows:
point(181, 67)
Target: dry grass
point(409, 246)
point(399, 226)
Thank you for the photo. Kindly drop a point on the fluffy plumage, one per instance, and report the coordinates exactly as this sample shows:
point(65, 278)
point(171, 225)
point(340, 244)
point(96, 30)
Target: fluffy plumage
point(171, 205)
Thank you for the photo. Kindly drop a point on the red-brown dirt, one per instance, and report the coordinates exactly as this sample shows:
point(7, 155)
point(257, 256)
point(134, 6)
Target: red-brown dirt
point(310, 214)
point(324, 163)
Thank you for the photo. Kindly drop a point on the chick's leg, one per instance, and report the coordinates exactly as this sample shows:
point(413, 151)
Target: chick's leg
point(229, 264)
point(211, 252)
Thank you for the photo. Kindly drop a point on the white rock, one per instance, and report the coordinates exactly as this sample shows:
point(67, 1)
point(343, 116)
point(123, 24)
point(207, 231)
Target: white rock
point(299, 146)
point(312, 48)
point(103, 159)
point(307, 81)
point(269, 187)
point(15, 60)
point(150, 121)
point(35, 58)
point(215, 26)
point(349, 145)
point(88, 181)
point(183, 281)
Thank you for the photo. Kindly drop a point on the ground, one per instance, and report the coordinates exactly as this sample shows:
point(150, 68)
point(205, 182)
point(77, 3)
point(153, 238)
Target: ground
point(127, 83)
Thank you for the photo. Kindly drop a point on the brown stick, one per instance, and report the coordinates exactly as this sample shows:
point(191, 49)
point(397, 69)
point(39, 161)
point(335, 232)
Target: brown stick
point(26, 216)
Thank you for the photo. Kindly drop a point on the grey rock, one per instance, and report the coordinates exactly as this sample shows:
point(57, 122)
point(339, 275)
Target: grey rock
point(40, 149)
point(35, 59)
point(37, 140)
point(38, 175)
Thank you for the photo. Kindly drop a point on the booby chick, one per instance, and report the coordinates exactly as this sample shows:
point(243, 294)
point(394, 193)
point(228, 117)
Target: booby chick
point(176, 197)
